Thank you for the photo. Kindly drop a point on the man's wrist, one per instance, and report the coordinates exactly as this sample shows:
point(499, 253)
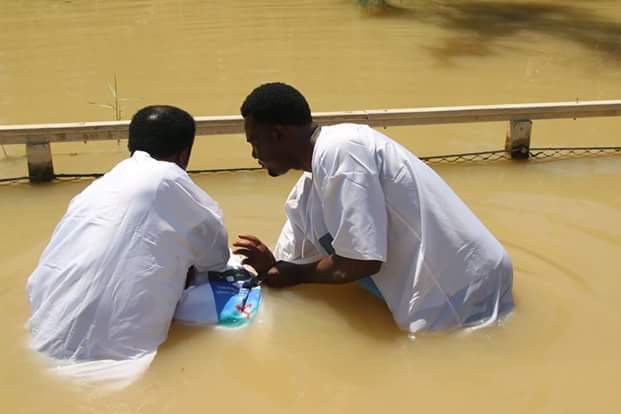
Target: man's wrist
point(265, 273)
point(287, 273)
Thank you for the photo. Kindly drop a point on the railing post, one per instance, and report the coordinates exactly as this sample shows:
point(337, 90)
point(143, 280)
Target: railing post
point(517, 143)
point(40, 166)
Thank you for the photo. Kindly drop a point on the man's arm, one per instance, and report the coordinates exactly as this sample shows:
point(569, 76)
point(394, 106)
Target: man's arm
point(331, 269)
point(196, 219)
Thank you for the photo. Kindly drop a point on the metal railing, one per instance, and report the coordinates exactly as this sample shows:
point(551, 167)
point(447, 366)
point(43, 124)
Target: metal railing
point(38, 137)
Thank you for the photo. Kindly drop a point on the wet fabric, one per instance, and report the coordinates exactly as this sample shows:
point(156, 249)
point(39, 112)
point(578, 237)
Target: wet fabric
point(369, 198)
point(107, 285)
point(102, 374)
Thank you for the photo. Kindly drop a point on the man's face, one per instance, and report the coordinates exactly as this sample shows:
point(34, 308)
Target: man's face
point(267, 147)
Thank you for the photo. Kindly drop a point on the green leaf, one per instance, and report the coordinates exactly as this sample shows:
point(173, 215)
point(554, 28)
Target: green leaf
point(112, 90)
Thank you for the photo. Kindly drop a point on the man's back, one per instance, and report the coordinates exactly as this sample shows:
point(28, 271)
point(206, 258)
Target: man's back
point(107, 284)
point(442, 267)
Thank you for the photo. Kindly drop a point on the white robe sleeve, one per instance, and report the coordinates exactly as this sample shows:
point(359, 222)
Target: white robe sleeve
point(354, 212)
point(198, 221)
point(211, 241)
point(345, 174)
point(292, 246)
point(286, 247)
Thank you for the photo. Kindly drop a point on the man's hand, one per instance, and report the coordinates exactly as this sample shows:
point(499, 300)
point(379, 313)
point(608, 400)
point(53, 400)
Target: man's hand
point(257, 254)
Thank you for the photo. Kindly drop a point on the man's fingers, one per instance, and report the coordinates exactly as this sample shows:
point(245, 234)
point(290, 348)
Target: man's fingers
point(245, 244)
point(244, 252)
point(250, 237)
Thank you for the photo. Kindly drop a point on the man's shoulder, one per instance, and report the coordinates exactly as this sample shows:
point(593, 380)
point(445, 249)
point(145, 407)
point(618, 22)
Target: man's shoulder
point(141, 167)
point(301, 187)
point(150, 177)
point(341, 142)
point(179, 184)
point(338, 137)
point(345, 131)
point(176, 179)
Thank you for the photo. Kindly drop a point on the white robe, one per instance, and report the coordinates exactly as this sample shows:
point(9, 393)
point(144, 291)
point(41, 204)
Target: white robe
point(369, 198)
point(107, 285)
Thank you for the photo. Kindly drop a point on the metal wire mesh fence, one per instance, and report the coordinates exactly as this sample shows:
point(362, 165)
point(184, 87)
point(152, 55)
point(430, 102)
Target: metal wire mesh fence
point(535, 154)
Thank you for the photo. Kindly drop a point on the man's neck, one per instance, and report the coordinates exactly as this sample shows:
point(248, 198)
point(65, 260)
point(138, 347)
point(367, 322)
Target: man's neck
point(178, 159)
point(311, 138)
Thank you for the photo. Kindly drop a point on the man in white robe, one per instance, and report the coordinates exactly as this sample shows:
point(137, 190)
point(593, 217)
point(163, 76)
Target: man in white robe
point(367, 209)
point(107, 285)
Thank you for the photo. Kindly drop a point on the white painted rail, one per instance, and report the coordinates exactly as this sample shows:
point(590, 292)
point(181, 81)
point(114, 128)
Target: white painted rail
point(37, 137)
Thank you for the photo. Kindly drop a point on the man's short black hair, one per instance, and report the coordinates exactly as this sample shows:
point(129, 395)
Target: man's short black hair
point(277, 103)
point(161, 131)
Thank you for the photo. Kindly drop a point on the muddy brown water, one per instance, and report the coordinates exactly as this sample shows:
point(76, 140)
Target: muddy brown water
point(335, 349)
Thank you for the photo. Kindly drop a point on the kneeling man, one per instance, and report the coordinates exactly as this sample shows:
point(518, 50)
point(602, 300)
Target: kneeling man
point(108, 283)
point(367, 209)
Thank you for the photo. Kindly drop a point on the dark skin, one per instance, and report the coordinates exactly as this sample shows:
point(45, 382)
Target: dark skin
point(281, 148)
point(182, 158)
